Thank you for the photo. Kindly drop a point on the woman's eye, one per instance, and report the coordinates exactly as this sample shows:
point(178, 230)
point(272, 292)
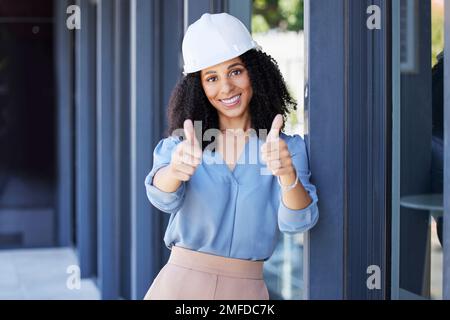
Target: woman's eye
point(211, 79)
point(235, 72)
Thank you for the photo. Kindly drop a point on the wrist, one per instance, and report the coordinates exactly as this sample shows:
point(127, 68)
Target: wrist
point(289, 178)
point(287, 186)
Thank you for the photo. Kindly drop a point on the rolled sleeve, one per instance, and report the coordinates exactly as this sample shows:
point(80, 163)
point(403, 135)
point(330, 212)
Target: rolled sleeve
point(169, 202)
point(297, 221)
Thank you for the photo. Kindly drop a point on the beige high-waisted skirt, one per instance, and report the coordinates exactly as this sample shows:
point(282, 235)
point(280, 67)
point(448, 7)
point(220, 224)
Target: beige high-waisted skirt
point(193, 275)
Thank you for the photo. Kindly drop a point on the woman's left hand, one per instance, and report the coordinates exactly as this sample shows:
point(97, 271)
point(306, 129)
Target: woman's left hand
point(275, 151)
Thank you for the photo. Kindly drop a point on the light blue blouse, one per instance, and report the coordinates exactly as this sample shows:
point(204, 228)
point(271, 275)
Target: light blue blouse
point(237, 214)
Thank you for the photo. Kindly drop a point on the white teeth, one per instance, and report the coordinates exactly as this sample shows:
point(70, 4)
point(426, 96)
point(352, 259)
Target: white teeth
point(232, 100)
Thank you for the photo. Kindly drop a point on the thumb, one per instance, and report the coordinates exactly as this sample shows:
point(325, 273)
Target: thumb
point(277, 123)
point(189, 130)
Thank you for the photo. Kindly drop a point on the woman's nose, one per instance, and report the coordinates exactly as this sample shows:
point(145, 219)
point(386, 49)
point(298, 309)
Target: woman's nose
point(227, 86)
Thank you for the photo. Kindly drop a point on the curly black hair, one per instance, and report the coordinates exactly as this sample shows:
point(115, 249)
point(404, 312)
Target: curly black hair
point(270, 97)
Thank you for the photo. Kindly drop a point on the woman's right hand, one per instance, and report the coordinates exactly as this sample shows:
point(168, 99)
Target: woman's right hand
point(187, 155)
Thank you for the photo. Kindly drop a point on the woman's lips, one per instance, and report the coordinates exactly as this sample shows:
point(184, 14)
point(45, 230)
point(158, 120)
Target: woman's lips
point(233, 101)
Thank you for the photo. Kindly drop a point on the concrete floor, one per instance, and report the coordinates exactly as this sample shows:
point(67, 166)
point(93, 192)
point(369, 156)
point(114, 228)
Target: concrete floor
point(41, 274)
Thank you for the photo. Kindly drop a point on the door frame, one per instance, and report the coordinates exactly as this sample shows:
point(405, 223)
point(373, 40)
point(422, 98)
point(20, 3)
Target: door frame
point(348, 120)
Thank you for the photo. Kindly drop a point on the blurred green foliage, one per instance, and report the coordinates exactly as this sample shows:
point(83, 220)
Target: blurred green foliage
point(437, 33)
point(277, 14)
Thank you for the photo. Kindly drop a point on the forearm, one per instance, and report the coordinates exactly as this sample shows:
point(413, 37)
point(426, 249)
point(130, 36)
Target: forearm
point(165, 181)
point(297, 198)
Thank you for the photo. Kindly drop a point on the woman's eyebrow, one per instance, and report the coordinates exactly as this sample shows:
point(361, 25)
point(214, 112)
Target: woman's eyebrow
point(229, 67)
point(209, 72)
point(235, 64)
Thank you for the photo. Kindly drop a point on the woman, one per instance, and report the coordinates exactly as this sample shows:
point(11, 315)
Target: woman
point(229, 199)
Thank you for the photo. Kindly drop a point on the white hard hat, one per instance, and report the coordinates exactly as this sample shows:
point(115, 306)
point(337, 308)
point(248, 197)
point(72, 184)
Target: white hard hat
point(213, 39)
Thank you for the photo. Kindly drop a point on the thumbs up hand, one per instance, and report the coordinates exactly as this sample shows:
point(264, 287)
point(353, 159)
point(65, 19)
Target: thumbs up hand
point(275, 129)
point(187, 155)
point(275, 151)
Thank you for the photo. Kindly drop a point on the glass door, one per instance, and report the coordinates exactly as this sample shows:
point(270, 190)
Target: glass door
point(27, 125)
point(278, 27)
point(417, 171)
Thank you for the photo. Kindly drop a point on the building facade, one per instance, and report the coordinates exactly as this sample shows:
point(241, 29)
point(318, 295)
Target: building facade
point(368, 98)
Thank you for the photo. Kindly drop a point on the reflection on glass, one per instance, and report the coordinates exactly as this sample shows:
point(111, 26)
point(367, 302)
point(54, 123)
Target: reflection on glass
point(27, 126)
point(283, 272)
point(437, 150)
point(277, 26)
point(421, 155)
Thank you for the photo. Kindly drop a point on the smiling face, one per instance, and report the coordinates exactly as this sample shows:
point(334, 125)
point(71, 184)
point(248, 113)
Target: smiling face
point(227, 87)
